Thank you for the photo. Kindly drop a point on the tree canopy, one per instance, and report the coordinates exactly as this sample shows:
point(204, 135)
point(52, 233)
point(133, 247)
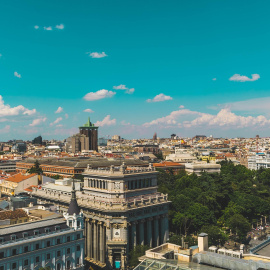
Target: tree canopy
point(36, 168)
point(232, 199)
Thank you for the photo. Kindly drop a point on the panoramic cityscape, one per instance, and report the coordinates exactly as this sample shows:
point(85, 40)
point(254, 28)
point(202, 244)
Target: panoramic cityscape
point(134, 135)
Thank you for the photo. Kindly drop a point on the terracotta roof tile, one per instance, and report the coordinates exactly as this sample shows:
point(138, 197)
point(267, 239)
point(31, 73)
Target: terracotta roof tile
point(19, 177)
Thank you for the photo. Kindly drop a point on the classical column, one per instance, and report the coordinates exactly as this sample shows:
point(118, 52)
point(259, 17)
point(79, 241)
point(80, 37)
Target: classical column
point(166, 228)
point(134, 234)
point(156, 231)
point(86, 236)
point(89, 240)
point(101, 242)
point(141, 234)
point(149, 232)
point(95, 243)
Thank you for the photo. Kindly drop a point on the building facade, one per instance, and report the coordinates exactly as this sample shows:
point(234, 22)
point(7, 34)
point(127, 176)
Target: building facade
point(260, 160)
point(87, 139)
point(44, 243)
point(122, 209)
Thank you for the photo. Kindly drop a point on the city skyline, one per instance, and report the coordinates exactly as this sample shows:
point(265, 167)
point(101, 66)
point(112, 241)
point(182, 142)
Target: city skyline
point(135, 68)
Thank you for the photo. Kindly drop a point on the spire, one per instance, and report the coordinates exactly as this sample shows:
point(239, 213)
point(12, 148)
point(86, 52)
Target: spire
point(73, 206)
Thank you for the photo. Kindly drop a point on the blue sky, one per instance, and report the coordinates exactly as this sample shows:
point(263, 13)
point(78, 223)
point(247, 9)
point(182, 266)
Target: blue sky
point(184, 67)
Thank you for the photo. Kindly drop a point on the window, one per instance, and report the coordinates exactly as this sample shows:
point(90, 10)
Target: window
point(14, 251)
point(25, 234)
point(14, 266)
point(58, 267)
point(25, 263)
point(47, 230)
point(68, 239)
point(37, 259)
point(1, 267)
point(48, 256)
point(1, 240)
point(68, 264)
point(58, 241)
point(13, 237)
point(57, 228)
point(37, 246)
point(2, 255)
point(48, 243)
point(26, 249)
point(68, 251)
point(78, 248)
point(78, 236)
point(78, 261)
point(58, 253)
point(36, 232)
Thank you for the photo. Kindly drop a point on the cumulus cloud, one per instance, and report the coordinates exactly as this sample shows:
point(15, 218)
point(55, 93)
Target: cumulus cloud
point(241, 78)
point(100, 94)
point(66, 115)
point(6, 110)
point(181, 107)
point(123, 87)
point(59, 110)
point(97, 54)
point(37, 122)
point(36, 27)
point(88, 110)
point(49, 28)
point(60, 26)
point(160, 97)
point(6, 129)
point(16, 74)
point(214, 79)
point(224, 118)
point(56, 121)
point(107, 121)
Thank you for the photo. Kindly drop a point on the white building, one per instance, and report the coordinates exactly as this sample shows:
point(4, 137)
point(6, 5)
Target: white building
point(199, 168)
point(259, 160)
point(57, 243)
point(181, 155)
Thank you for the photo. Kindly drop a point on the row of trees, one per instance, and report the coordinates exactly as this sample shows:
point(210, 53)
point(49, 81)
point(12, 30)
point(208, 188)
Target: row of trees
point(231, 200)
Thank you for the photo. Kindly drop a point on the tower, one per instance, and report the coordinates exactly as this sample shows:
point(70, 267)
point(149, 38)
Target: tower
point(74, 216)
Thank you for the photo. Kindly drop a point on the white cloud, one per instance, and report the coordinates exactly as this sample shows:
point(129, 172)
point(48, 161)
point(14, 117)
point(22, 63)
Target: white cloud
point(37, 122)
point(59, 125)
point(241, 78)
point(123, 87)
point(60, 26)
point(88, 110)
point(106, 122)
point(59, 110)
point(36, 27)
point(16, 74)
point(6, 129)
point(214, 79)
point(56, 121)
point(223, 119)
point(97, 54)
point(66, 115)
point(181, 107)
point(160, 97)
point(49, 28)
point(100, 94)
point(6, 110)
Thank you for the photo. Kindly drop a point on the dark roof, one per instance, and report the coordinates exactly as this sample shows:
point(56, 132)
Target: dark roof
point(82, 163)
point(73, 206)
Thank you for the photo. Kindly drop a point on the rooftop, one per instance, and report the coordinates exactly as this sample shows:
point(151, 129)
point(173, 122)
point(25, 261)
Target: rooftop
point(19, 177)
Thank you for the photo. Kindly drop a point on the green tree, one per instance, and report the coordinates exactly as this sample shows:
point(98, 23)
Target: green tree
point(36, 168)
point(215, 235)
point(135, 253)
point(239, 225)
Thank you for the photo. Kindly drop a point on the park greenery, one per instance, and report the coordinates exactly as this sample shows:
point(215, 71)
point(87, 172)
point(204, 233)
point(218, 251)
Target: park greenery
point(35, 169)
point(219, 204)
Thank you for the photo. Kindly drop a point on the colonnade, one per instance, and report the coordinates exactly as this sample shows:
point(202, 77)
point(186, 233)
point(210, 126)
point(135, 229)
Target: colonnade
point(151, 231)
point(95, 246)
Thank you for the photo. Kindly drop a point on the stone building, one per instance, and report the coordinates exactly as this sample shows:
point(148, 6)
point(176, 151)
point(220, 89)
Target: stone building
point(87, 139)
point(122, 209)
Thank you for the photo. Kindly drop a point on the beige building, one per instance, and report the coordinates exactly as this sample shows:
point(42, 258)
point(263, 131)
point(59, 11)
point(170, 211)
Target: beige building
point(199, 168)
point(17, 183)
